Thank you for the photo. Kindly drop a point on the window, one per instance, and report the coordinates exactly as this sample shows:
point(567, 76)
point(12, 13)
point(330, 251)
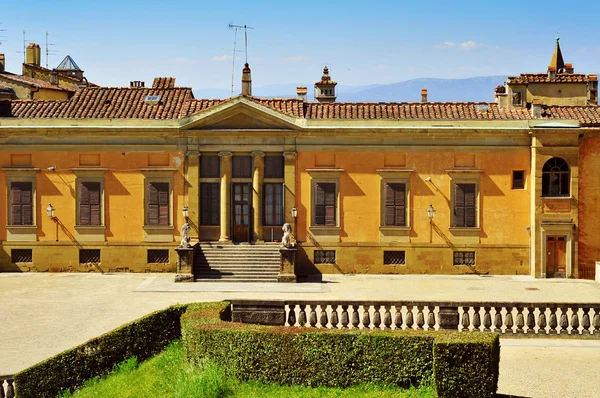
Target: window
point(242, 167)
point(210, 204)
point(464, 258)
point(395, 257)
point(273, 167)
point(158, 256)
point(89, 203)
point(517, 98)
point(21, 256)
point(395, 204)
point(21, 203)
point(158, 203)
point(465, 208)
point(518, 179)
point(324, 257)
point(273, 204)
point(556, 178)
point(325, 204)
point(210, 166)
point(89, 256)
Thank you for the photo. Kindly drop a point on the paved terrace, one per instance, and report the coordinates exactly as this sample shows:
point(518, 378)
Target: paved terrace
point(44, 314)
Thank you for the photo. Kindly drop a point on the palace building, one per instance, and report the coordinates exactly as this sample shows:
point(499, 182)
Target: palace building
point(96, 181)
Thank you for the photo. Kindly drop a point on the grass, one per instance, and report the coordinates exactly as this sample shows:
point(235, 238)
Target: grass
point(168, 375)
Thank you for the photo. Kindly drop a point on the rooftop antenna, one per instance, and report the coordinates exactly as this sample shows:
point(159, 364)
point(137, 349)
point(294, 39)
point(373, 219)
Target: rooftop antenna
point(2, 36)
point(24, 47)
point(236, 28)
point(48, 51)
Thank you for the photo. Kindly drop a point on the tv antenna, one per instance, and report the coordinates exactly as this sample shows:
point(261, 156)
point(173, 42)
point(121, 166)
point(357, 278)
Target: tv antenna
point(48, 51)
point(24, 47)
point(236, 28)
point(2, 35)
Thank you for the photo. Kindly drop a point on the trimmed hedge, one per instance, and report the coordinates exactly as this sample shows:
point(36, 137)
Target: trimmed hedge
point(70, 369)
point(466, 364)
point(460, 364)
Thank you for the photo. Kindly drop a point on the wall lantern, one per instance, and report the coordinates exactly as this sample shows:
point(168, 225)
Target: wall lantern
point(430, 212)
point(185, 212)
point(294, 212)
point(50, 211)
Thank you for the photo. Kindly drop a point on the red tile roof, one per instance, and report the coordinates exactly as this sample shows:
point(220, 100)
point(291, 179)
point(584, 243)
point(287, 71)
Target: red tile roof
point(38, 83)
point(525, 78)
point(288, 106)
point(587, 115)
point(163, 82)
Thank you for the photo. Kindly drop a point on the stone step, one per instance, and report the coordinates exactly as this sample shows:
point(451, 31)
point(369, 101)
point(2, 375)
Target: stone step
point(255, 280)
point(237, 255)
point(237, 269)
point(234, 261)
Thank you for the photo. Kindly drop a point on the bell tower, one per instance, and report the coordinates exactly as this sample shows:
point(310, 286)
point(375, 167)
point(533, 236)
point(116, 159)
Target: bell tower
point(325, 88)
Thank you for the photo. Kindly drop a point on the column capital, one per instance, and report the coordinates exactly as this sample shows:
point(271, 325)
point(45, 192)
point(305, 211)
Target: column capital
point(291, 155)
point(193, 153)
point(225, 154)
point(257, 153)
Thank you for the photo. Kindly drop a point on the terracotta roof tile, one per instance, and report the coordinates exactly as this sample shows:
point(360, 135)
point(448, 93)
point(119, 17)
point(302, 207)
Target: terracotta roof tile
point(587, 115)
point(38, 83)
point(525, 78)
point(163, 82)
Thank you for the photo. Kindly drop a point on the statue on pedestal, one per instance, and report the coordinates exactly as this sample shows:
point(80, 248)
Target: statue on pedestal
point(288, 241)
point(184, 235)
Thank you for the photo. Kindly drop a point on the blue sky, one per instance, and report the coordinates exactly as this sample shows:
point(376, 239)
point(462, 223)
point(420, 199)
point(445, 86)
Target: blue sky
point(362, 42)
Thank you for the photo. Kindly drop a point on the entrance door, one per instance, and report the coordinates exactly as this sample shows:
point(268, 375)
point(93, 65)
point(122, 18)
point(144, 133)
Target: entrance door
point(556, 256)
point(241, 212)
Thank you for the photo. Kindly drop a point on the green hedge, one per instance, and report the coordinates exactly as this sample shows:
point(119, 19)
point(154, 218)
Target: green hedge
point(141, 338)
point(460, 364)
point(466, 364)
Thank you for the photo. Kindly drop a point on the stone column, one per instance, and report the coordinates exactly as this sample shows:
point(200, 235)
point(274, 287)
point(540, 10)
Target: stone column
point(257, 195)
point(225, 197)
point(193, 191)
point(289, 174)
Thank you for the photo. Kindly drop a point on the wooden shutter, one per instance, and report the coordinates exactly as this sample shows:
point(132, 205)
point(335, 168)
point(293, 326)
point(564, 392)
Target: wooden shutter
point(273, 167)
point(205, 203)
point(459, 205)
point(330, 204)
point(89, 203)
point(84, 205)
point(209, 166)
point(465, 206)
point(21, 203)
point(210, 203)
point(395, 204)
point(152, 205)
point(94, 190)
point(158, 203)
point(319, 204)
point(215, 204)
point(470, 210)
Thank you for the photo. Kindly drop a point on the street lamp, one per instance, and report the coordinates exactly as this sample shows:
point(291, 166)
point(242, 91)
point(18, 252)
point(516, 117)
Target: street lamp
point(185, 212)
point(294, 215)
point(430, 214)
point(50, 211)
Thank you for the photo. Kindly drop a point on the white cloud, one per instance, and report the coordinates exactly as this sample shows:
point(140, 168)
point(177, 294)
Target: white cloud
point(466, 46)
point(221, 58)
point(447, 44)
point(470, 45)
point(295, 58)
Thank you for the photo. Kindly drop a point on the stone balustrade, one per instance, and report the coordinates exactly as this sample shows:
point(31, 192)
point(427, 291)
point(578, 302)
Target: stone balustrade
point(7, 388)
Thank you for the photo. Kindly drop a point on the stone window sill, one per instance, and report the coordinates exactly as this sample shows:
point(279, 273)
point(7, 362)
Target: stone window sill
point(465, 231)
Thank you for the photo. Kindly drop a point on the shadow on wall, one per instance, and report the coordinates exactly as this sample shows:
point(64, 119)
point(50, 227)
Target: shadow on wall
point(6, 264)
point(305, 269)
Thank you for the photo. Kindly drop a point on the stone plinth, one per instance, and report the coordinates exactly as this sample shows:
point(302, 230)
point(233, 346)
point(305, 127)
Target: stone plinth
point(448, 318)
point(270, 312)
point(287, 268)
point(185, 264)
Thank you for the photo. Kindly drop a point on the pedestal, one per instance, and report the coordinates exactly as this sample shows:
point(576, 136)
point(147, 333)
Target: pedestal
point(185, 264)
point(287, 268)
point(448, 318)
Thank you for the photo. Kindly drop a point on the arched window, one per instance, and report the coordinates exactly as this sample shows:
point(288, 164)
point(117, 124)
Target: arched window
point(556, 178)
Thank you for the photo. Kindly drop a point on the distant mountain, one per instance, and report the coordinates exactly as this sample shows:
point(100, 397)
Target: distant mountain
point(439, 90)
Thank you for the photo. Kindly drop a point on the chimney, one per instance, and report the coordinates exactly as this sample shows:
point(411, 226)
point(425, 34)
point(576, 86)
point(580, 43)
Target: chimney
point(2, 63)
point(246, 81)
point(136, 84)
point(500, 97)
point(569, 68)
point(301, 93)
point(33, 54)
point(551, 72)
point(423, 95)
point(536, 108)
point(592, 89)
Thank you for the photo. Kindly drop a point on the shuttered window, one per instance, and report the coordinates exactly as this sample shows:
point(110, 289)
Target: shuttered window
point(325, 204)
point(395, 204)
point(273, 167)
point(210, 166)
point(210, 203)
point(242, 167)
point(465, 209)
point(273, 204)
point(21, 203)
point(89, 203)
point(158, 203)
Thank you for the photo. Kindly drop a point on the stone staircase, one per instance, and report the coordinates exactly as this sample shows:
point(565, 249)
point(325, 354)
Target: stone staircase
point(236, 262)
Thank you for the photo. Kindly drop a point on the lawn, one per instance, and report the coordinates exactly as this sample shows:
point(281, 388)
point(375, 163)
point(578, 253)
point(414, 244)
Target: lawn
point(168, 375)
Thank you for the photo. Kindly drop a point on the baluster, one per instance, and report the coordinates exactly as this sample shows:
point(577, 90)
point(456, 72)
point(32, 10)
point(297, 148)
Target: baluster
point(596, 320)
point(291, 317)
point(498, 320)
point(430, 318)
point(366, 319)
point(377, 317)
point(334, 316)
point(420, 317)
point(509, 320)
point(466, 322)
point(409, 317)
point(520, 320)
point(312, 318)
point(354, 319)
point(398, 317)
point(302, 316)
point(476, 318)
point(585, 322)
point(10, 389)
point(542, 321)
point(530, 320)
point(345, 318)
point(553, 323)
point(2, 389)
point(323, 316)
point(487, 319)
point(564, 321)
point(387, 318)
point(574, 320)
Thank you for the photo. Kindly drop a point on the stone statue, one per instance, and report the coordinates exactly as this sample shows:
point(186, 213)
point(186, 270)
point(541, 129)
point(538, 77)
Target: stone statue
point(184, 235)
point(288, 240)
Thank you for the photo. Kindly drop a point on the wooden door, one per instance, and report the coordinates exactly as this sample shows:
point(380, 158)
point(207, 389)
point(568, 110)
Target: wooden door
point(556, 256)
point(241, 212)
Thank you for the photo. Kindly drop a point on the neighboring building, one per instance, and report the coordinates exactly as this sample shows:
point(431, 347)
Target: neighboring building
point(514, 190)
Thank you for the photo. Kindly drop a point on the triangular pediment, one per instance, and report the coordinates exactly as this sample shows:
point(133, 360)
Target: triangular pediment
point(240, 114)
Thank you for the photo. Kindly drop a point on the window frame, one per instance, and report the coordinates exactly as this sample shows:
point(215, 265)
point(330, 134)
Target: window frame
point(465, 177)
point(560, 173)
point(246, 174)
point(268, 171)
point(464, 263)
point(89, 233)
point(325, 233)
point(324, 253)
point(395, 233)
point(205, 158)
point(329, 184)
point(21, 233)
point(214, 186)
point(158, 233)
point(521, 96)
point(273, 205)
point(512, 181)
